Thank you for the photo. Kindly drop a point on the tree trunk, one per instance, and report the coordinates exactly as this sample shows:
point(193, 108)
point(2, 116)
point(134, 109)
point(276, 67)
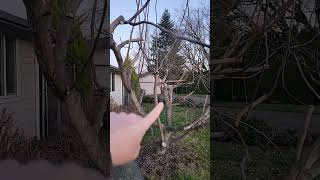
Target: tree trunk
point(155, 95)
point(168, 99)
point(98, 151)
point(142, 95)
point(136, 103)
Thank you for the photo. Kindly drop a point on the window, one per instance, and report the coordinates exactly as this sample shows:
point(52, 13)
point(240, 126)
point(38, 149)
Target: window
point(8, 78)
point(112, 82)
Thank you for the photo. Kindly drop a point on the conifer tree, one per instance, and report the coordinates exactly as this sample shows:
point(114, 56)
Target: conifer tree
point(161, 45)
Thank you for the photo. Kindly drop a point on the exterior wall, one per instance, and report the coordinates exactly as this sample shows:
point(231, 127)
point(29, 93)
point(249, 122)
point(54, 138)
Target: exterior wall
point(25, 104)
point(100, 56)
point(117, 94)
point(147, 83)
point(85, 9)
point(102, 75)
point(101, 61)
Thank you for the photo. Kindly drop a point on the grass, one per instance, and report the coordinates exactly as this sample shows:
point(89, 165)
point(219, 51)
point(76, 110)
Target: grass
point(271, 107)
point(195, 167)
point(264, 165)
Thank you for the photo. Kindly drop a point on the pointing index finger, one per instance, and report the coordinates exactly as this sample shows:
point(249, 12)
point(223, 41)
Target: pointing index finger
point(149, 119)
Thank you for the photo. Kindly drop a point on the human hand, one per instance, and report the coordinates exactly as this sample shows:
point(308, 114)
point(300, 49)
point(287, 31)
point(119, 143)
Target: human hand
point(126, 133)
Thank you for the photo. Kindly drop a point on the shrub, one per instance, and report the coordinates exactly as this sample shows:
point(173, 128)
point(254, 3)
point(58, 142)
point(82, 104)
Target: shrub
point(147, 99)
point(187, 103)
point(287, 137)
point(252, 137)
point(13, 144)
point(277, 136)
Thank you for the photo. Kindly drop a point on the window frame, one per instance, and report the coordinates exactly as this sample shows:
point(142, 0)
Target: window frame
point(3, 72)
point(113, 83)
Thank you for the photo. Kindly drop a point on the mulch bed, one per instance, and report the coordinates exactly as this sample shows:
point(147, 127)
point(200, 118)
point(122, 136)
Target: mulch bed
point(56, 150)
point(63, 150)
point(126, 109)
point(154, 163)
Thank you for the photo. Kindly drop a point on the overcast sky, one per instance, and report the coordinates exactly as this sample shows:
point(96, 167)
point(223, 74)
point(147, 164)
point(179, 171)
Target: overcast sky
point(118, 7)
point(128, 7)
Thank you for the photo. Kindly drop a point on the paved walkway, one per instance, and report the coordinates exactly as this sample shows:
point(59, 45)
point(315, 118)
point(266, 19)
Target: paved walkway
point(195, 98)
point(283, 120)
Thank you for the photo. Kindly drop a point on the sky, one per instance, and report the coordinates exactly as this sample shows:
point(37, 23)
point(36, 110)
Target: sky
point(127, 8)
point(118, 7)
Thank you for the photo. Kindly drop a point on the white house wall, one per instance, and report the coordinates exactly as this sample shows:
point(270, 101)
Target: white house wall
point(147, 83)
point(117, 94)
point(24, 104)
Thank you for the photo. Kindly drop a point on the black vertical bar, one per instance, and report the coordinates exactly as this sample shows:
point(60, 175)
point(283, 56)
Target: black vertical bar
point(40, 104)
point(106, 122)
point(211, 81)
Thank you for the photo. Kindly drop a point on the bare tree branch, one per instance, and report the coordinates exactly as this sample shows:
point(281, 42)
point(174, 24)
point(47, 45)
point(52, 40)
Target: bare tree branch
point(304, 77)
point(139, 11)
point(167, 31)
point(121, 45)
point(238, 70)
point(105, 6)
point(304, 132)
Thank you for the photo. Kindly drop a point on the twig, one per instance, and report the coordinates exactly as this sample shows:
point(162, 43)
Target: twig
point(304, 77)
point(99, 31)
point(238, 70)
point(258, 131)
point(139, 11)
point(304, 132)
point(244, 160)
point(226, 61)
point(205, 103)
point(166, 31)
point(93, 18)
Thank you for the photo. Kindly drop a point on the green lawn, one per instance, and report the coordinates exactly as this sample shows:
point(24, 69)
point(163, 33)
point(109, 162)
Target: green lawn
point(263, 166)
point(228, 156)
point(197, 145)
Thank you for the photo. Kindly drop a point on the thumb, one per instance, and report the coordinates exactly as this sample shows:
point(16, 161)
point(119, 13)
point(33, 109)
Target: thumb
point(149, 119)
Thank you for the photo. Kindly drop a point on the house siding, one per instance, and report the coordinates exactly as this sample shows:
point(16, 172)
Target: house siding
point(100, 57)
point(147, 83)
point(117, 94)
point(24, 104)
point(101, 60)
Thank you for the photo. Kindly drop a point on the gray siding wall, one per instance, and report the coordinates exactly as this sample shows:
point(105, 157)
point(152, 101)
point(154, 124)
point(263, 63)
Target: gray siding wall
point(100, 58)
point(25, 104)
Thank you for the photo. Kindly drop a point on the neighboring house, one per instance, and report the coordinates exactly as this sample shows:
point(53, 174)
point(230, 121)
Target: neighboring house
point(23, 90)
point(147, 83)
point(117, 91)
point(19, 73)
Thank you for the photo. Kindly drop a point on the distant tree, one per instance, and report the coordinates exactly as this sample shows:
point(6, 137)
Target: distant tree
point(172, 65)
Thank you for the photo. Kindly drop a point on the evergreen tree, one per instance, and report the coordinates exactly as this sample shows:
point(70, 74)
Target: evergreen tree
point(161, 45)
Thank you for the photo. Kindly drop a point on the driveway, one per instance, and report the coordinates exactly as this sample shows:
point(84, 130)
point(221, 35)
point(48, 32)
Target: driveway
point(197, 99)
point(282, 120)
